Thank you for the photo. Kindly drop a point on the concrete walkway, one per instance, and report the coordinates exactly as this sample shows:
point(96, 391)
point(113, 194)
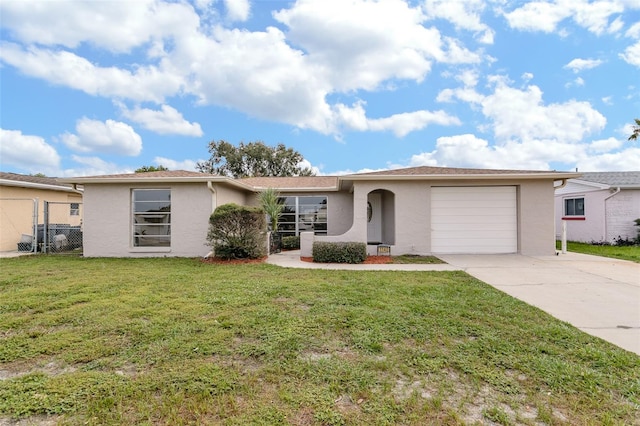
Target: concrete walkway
point(598, 295)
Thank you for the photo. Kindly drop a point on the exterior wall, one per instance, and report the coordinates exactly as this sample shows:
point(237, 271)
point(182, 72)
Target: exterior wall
point(622, 209)
point(339, 208)
point(412, 209)
point(535, 218)
point(592, 228)
point(16, 216)
point(107, 227)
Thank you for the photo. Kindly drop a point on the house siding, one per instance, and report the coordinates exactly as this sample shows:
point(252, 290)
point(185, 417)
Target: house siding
point(107, 230)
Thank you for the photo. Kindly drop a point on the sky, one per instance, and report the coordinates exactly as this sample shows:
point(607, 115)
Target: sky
point(104, 87)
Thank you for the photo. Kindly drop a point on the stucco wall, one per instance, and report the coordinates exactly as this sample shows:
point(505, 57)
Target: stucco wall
point(107, 227)
point(16, 216)
point(412, 222)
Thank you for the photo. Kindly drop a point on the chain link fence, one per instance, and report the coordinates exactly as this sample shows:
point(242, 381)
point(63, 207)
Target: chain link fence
point(62, 228)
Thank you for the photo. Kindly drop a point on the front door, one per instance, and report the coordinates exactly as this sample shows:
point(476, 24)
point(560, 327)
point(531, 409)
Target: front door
point(374, 219)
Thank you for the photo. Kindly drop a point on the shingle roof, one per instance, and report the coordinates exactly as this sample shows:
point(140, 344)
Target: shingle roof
point(153, 175)
point(426, 170)
point(623, 179)
point(298, 182)
point(33, 180)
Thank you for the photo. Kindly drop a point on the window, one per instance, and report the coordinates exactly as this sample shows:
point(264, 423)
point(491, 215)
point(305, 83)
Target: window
point(574, 207)
point(303, 214)
point(151, 211)
point(74, 209)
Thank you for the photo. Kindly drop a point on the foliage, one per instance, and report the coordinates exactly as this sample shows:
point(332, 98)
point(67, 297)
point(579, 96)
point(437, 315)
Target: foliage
point(41, 175)
point(635, 130)
point(145, 169)
point(291, 242)
point(237, 232)
point(339, 252)
point(270, 201)
point(252, 160)
point(167, 341)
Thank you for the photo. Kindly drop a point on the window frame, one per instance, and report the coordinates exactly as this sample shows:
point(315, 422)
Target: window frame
point(572, 212)
point(74, 209)
point(304, 215)
point(158, 220)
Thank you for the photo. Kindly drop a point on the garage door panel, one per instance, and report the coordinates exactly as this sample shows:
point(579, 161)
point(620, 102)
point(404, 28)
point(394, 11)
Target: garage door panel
point(474, 220)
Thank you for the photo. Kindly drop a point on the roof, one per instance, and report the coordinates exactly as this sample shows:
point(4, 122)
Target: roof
point(613, 179)
point(435, 173)
point(36, 182)
point(326, 183)
point(323, 183)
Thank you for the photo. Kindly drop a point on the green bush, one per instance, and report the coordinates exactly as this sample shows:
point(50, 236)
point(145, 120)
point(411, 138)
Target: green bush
point(290, 243)
point(328, 252)
point(237, 232)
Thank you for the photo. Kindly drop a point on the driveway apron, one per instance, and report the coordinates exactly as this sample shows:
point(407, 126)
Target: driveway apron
point(600, 296)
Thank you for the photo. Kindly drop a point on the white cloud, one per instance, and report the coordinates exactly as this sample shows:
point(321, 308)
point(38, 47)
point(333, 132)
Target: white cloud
point(28, 152)
point(628, 159)
point(170, 164)
point(545, 16)
point(165, 121)
point(464, 14)
point(632, 54)
point(68, 69)
point(107, 137)
point(238, 10)
point(94, 166)
point(117, 26)
point(354, 118)
point(605, 145)
point(578, 64)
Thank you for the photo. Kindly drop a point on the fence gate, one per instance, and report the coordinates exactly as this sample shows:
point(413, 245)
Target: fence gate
point(62, 228)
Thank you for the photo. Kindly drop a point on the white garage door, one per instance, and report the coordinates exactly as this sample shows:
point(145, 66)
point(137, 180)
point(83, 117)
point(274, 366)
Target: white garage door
point(480, 219)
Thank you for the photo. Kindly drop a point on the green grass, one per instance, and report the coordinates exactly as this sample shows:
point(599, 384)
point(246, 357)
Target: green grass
point(176, 341)
point(410, 258)
point(631, 253)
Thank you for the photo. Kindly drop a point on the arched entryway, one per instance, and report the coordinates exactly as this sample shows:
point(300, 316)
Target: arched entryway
point(381, 217)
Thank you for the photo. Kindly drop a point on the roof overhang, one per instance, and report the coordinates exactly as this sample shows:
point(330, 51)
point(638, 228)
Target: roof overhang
point(155, 180)
point(34, 185)
point(465, 177)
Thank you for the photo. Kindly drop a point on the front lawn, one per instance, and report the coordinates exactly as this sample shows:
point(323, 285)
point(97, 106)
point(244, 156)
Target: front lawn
point(176, 341)
point(631, 253)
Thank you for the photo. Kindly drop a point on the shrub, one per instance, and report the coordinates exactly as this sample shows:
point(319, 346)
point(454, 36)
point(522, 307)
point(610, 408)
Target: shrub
point(237, 232)
point(328, 252)
point(290, 243)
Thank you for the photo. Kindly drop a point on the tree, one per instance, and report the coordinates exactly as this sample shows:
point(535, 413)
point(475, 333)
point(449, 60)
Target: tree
point(270, 202)
point(145, 169)
point(252, 160)
point(636, 131)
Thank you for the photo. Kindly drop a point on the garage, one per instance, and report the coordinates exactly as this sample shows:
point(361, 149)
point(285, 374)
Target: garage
point(474, 219)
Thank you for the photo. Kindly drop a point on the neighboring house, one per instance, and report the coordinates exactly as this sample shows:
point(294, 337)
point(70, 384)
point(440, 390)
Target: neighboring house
point(420, 210)
point(599, 206)
point(22, 199)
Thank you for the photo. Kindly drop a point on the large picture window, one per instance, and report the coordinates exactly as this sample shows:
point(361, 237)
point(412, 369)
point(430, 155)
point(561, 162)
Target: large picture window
point(300, 214)
point(151, 211)
point(574, 207)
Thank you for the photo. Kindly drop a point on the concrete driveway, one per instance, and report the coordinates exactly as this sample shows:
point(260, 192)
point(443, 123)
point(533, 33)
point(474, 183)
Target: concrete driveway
point(600, 296)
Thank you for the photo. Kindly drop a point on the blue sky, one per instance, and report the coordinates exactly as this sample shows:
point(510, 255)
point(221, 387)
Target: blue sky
point(100, 87)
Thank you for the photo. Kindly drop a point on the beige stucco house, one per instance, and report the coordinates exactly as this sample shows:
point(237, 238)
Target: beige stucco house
point(420, 210)
point(22, 199)
point(599, 206)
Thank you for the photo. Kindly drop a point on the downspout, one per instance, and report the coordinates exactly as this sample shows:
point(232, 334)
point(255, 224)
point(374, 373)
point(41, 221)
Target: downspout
point(563, 237)
point(214, 201)
point(606, 231)
point(214, 198)
point(562, 185)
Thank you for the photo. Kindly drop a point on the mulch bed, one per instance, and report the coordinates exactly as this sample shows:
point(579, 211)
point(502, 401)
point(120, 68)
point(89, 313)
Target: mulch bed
point(371, 260)
point(218, 261)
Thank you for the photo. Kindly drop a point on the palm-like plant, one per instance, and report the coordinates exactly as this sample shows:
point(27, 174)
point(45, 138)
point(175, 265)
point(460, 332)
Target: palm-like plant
point(636, 131)
point(270, 201)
